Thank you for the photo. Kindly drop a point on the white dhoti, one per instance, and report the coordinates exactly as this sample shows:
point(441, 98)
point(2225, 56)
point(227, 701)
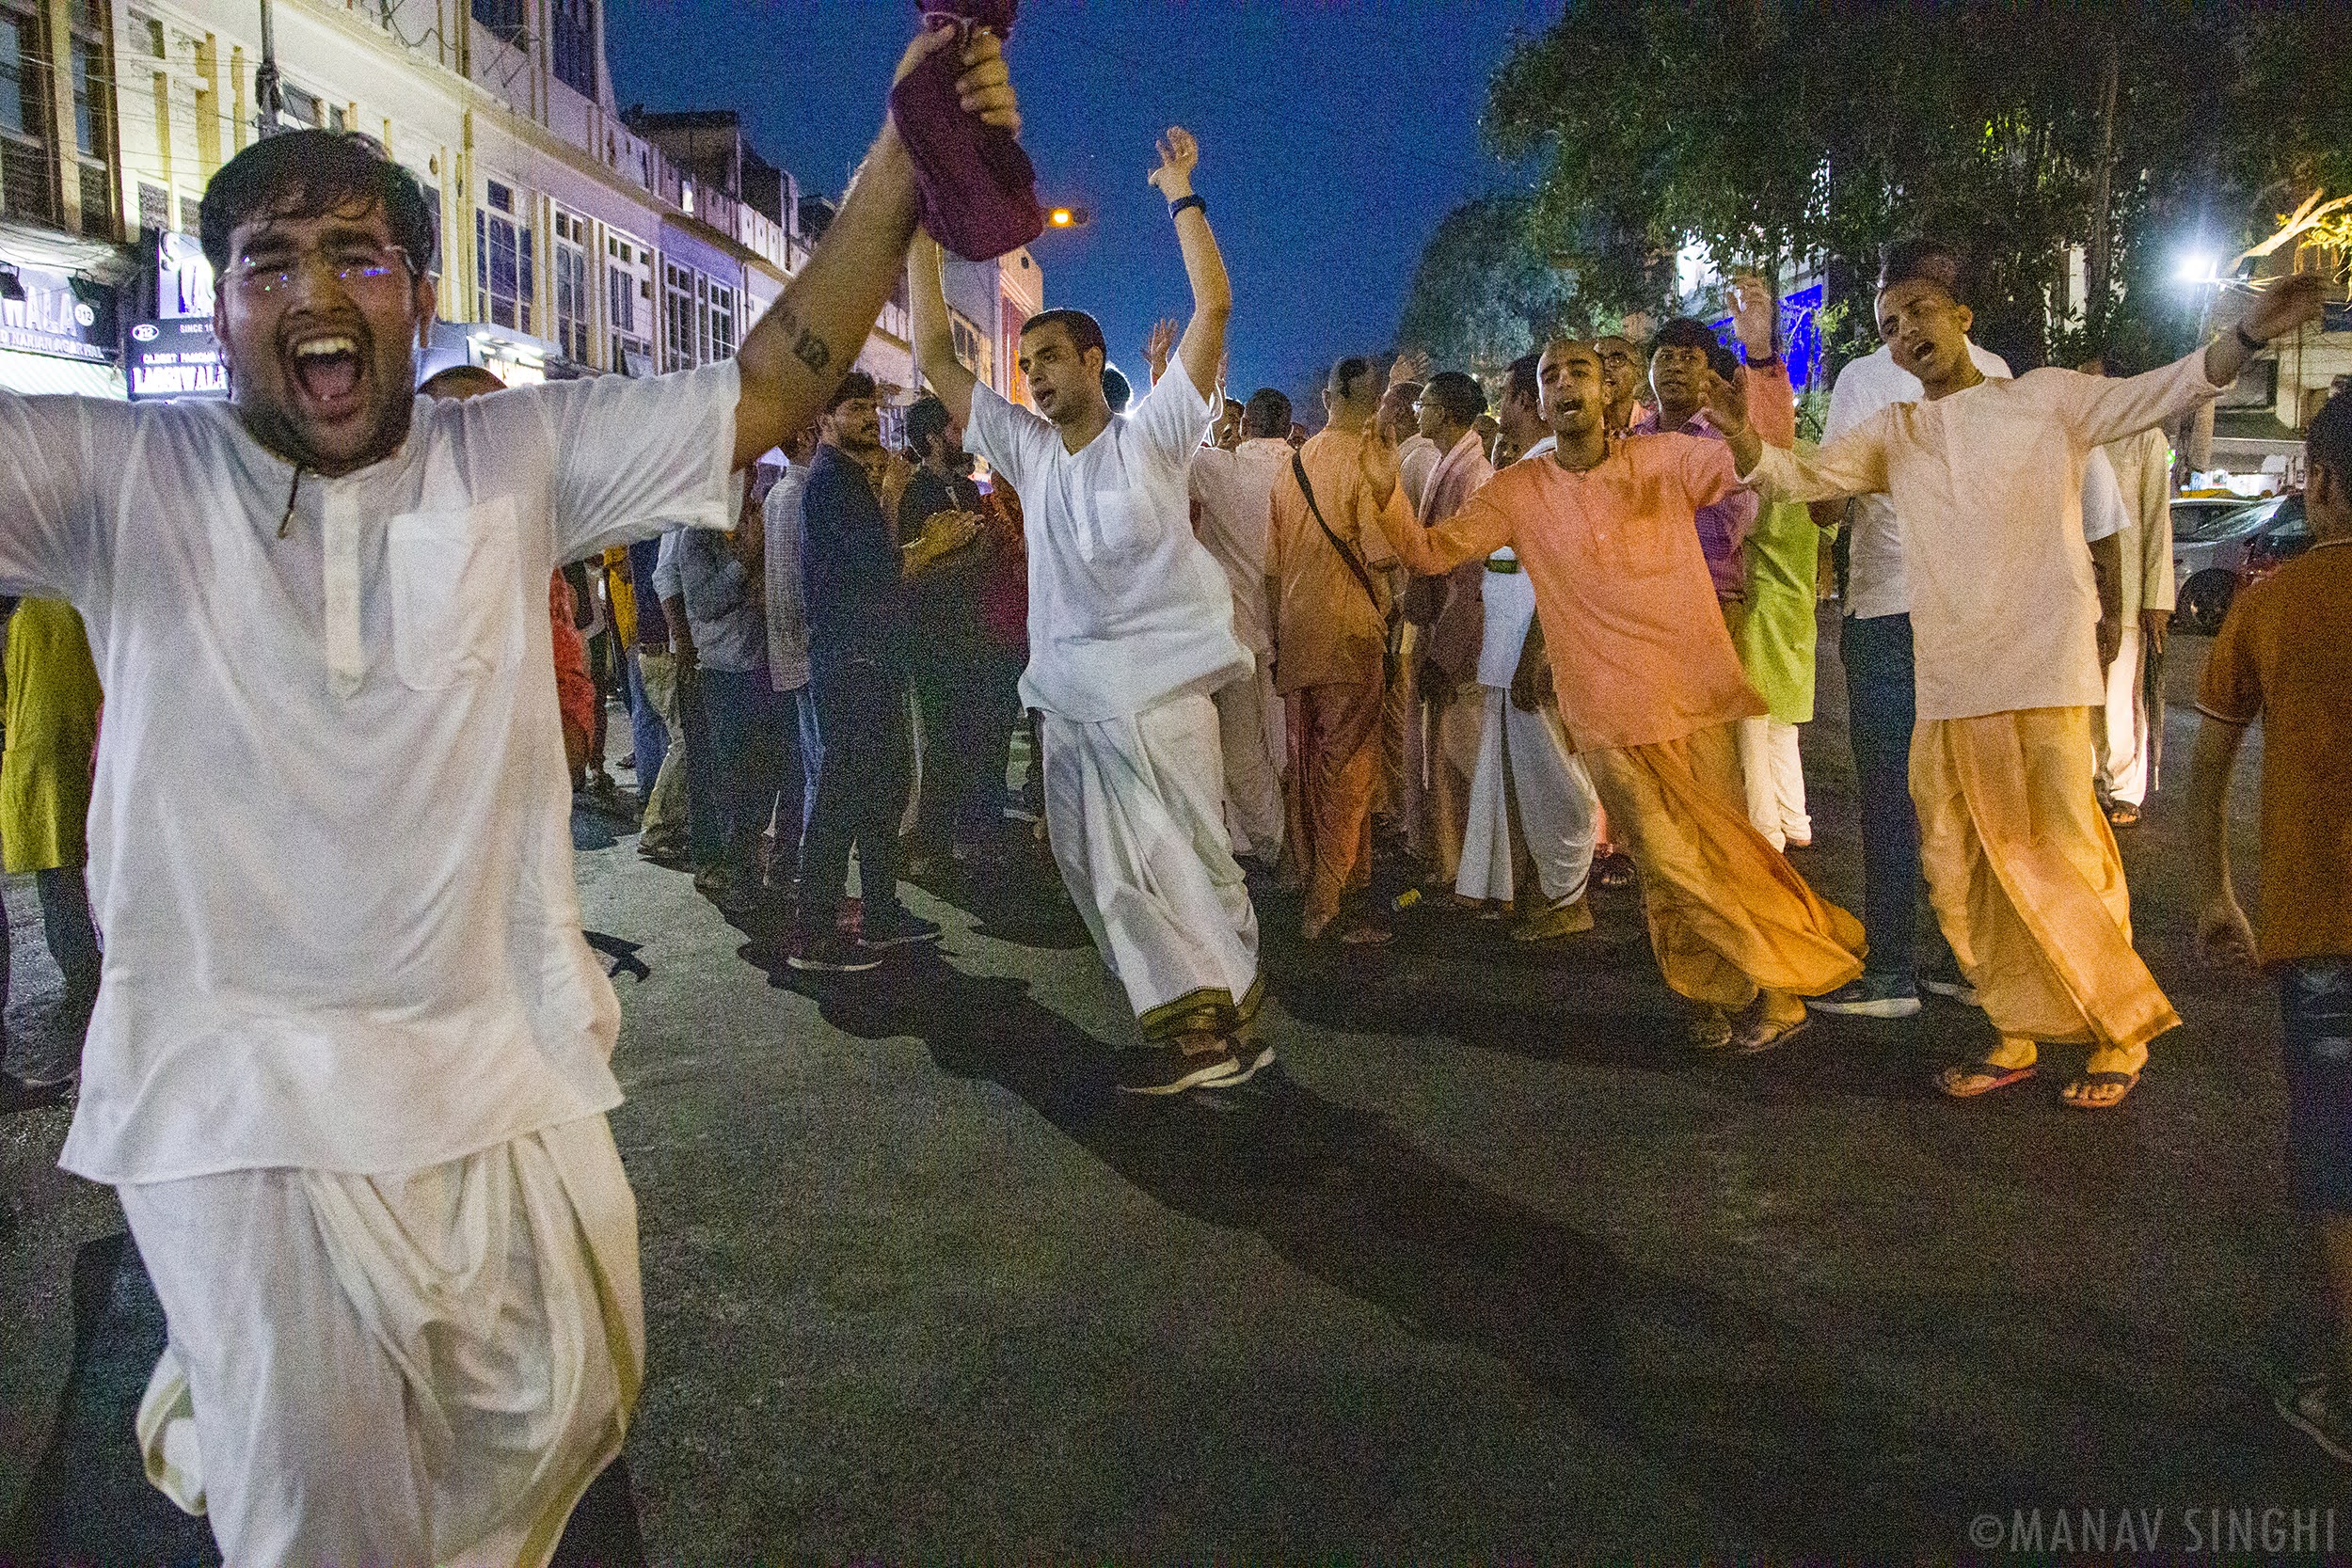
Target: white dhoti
point(1773, 769)
point(1526, 772)
point(1134, 807)
point(1525, 768)
point(426, 1367)
point(2121, 730)
point(1249, 727)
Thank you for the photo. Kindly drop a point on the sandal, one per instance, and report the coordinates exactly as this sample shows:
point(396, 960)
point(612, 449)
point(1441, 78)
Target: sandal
point(2067, 1096)
point(1996, 1076)
point(2121, 816)
point(1366, 935)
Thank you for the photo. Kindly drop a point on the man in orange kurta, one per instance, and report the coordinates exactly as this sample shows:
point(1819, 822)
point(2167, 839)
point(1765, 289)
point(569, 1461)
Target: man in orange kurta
point(1651, 691)
point(1330, 639)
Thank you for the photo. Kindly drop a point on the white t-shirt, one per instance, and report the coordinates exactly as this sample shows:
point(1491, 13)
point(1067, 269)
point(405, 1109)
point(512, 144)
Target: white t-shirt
point(1126, 608)
point(330, 843)
point(1235, 490)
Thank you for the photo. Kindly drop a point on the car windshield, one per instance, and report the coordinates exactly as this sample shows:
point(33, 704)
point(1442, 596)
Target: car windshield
point(2221, 522)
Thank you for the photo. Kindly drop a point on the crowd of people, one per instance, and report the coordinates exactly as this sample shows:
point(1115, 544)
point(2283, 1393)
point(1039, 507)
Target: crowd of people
point(348, 1066)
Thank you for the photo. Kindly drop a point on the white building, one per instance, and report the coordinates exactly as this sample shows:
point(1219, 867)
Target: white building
point(575, 238)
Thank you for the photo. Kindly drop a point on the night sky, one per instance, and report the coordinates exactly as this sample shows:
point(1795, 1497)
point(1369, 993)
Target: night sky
point(1332, 138)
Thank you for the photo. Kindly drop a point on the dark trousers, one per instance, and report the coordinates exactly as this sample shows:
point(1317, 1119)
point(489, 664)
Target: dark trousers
point(969, 707)
point(755, 741)
point(862, 781)
point(67, 925)
point(1882, 708)
point(705, 811)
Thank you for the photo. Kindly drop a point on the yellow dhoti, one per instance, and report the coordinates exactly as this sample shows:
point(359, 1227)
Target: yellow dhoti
point(1727, 913)
point(2023, 870)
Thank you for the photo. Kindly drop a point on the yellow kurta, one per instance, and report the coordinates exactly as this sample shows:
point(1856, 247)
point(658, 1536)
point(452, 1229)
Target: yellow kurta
point(2027, 883)
point(52, 737)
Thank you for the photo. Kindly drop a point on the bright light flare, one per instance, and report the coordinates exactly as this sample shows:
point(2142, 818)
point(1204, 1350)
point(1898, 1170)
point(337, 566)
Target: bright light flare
point(2195, 266)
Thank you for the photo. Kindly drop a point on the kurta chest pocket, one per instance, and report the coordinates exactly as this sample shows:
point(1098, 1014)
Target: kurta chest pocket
point(456, 606)
point(1121, 524)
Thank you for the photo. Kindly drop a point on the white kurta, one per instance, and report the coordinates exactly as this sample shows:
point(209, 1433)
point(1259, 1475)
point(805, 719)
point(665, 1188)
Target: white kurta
point(1232, 492)
point(1987, 491)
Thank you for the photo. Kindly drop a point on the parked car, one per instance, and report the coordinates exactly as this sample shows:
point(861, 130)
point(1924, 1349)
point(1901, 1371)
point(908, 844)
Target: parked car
point(2286, 536)
point(2209, 549)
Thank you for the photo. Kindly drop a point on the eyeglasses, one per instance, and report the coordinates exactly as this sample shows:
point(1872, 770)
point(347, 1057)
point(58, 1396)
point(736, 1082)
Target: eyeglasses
point(356, 267)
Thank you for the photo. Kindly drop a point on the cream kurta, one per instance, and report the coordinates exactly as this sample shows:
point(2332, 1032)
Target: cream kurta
point(1987, 485)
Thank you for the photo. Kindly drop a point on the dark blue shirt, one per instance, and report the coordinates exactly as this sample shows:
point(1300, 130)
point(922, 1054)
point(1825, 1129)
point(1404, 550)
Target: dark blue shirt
point(653, 628)
point(858, 605)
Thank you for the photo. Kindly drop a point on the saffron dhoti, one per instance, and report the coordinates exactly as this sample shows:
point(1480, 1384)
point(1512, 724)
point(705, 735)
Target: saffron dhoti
point(1727, 913)
point(2023, 870)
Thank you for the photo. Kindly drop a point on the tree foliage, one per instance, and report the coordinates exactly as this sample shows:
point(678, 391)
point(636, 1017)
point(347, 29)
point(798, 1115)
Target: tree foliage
point(1767, 130)
point(1484, 291)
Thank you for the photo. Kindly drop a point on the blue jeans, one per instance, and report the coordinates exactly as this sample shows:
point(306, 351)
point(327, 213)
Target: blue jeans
point(648, 737)
point(1882, 709)
point(2315, 1015)
point(705, 805)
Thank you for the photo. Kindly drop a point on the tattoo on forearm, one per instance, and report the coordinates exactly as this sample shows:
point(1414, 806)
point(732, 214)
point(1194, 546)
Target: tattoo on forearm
point(807, 347)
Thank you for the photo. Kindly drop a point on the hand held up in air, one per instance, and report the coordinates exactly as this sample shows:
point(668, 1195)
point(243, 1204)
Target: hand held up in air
point(1179, 156)
point(1157, 348)
point(1378, 463)
point(1410, 366)
point(985, 88)
point(1755, 315)
point(2285, 305)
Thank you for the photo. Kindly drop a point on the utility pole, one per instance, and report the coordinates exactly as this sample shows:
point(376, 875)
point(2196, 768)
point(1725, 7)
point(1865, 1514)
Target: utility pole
point(267, 100)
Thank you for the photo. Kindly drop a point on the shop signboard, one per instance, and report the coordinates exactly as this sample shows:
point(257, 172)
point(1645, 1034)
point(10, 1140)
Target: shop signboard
point(55, 317)
point(176, 359)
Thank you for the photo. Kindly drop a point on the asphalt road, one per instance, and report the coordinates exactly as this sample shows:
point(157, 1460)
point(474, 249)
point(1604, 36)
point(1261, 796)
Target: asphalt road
point(1491, 1269)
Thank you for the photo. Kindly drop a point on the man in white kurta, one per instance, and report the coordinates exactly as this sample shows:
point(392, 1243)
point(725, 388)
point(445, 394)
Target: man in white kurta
point(1131, 630)
point(1234, 492)
point(1986, 478)
point(348, 1070)
point(2131, 734)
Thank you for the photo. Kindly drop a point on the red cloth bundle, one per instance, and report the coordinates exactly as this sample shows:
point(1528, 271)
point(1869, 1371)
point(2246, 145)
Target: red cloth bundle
point(979, 189)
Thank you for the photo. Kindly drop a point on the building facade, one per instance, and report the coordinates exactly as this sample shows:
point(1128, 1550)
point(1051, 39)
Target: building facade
point(576, 238)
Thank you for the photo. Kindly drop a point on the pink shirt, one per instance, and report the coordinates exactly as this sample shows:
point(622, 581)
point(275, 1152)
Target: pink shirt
point(1638, 650)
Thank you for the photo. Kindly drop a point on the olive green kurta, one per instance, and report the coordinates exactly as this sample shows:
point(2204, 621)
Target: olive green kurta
point(1773, 632)
point(52, 737)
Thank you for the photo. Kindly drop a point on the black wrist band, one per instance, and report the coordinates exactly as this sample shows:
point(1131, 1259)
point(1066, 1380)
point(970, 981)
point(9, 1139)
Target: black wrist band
point(1177, 206)
point(2249, 343)
point(1764, 361)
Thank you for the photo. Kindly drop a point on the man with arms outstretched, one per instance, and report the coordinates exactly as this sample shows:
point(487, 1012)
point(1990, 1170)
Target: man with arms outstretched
point(1131, 630)
point(1651, 693)
point(348, 1070)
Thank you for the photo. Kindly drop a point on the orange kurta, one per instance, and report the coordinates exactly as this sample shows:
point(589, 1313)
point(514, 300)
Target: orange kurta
point(1327, 629)
point(1649, 687)
point(1638, 650)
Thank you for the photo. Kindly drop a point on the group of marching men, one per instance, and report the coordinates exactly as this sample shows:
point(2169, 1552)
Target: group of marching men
point(349, 1069)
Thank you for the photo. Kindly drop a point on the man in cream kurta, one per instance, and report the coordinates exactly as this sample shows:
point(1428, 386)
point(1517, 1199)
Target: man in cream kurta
point(348, 1070)
point(1986, 478)
point(1233, 492)
point(2131, 734)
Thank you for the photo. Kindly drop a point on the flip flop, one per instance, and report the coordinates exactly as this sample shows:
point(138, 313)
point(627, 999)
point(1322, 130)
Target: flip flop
point(2129, 1080)
point(2001, 1078)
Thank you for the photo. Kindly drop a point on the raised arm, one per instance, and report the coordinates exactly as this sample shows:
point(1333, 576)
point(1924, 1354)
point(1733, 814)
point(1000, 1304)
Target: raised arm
point(811, 336)
point(2099, 409)
point(1473, 533)
point(1772, 401)
point(935, 339)
point(1204, 346)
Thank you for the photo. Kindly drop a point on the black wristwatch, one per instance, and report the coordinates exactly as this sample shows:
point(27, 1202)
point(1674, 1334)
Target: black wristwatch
point(2251, 344)
point(1176, 208)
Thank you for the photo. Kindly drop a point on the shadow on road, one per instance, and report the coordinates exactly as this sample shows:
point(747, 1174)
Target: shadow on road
point(1809, 1430)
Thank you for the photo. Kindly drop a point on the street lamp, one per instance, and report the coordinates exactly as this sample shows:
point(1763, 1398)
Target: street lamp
point(1066, 217)
point(2195, 266)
